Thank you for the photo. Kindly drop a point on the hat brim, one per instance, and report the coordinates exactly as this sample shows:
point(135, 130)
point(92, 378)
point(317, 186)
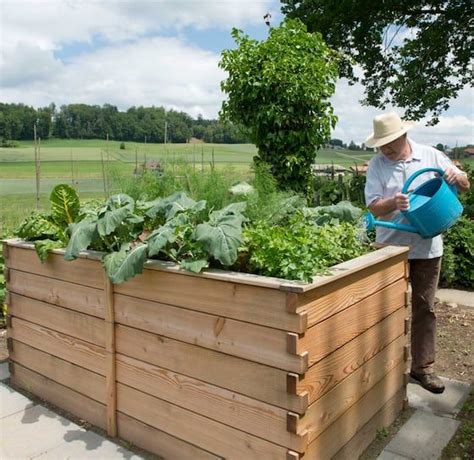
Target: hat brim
point(372, 141)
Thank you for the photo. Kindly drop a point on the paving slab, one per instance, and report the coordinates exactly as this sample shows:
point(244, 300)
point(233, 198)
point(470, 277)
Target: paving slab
point(459, 297)
point(81, 444)
point(447, 404)
point(31, 432)
point(423, 437)
point(385, 455)
point(12, 402)
point(4, 372)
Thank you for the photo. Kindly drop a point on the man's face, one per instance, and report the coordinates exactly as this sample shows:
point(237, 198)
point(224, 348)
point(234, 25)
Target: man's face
point(394, 150)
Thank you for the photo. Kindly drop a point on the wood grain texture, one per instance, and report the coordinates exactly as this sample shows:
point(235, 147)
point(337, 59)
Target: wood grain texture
point(332, 298)
point(333, 404)
point(327, 373)
point(196, 429)
point(59, 395)
point(63, 346)
point(63, 372)
point(345, 427)
point(78, 325)
point(241, 412)
point(245, 340)
point(252, 304)
point(85, 299)
point(327, 336)
point(160, 443)
point(81, 271)
point(382, 419)
point(255, 380)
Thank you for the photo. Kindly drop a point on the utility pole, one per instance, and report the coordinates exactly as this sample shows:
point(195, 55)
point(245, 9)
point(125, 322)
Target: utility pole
point(166, 132)
point(36, 166)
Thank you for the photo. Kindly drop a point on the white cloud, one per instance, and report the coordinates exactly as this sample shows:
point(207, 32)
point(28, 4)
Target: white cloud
point(134, 65)
point(155, 71)
point(456, 125)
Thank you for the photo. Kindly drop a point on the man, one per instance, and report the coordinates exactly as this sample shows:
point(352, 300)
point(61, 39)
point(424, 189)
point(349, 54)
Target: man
point(398, 158)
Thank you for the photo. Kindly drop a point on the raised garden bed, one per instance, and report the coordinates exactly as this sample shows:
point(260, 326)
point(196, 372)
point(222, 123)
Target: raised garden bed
point(215, 365)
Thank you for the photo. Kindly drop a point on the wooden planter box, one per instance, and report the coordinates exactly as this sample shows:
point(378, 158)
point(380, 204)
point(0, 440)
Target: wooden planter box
point(217, 365)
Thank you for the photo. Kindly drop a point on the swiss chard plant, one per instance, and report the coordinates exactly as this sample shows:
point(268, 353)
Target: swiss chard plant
point(50, 230)
point(175, 228)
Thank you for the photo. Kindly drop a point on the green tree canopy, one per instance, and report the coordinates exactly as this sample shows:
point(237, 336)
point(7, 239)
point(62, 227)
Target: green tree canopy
point(279, 89)
point(421, 72)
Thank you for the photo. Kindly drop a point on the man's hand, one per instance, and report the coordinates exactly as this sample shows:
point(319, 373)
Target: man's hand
point(450, 176)
point(402, 202)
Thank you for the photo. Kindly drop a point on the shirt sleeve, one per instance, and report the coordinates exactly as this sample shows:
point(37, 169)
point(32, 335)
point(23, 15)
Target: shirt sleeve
point(443, 162)
point(373, 185)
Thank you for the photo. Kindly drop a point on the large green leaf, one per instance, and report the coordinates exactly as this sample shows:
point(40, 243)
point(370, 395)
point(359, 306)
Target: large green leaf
point(110, 220)
point(38, 226)
point(159, 238)
point(126, 263)
point(221, 237)
point(194, 265)
point(65, 204)
point(180, 202)
point(82, 234)
point(44, 246)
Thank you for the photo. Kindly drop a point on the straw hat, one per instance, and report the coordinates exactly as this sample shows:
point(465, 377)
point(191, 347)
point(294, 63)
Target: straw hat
point(387, 127)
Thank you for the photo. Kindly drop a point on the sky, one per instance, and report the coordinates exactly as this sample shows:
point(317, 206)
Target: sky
point(162, 53)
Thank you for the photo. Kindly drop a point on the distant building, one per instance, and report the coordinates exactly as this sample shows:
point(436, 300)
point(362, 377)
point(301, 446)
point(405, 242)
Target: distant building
point(469, 151)
point(328, 169)
point(360, 169)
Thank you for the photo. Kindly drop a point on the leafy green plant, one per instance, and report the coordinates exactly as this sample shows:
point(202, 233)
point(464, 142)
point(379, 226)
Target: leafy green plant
point(49, 230)
point(278, 90)
point(457, 268)
point(300, 249)
point(172, 228)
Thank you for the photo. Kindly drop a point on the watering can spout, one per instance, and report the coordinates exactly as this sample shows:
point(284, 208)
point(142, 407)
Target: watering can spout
point(371, 223)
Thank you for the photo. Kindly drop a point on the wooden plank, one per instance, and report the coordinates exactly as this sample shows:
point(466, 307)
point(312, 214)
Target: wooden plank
point(158, 442)
point(79, 325)
point(345, 427)
point(334, 403)
point(110, 376)
point(81, 271)
point(77, 378)
point(327, 373)
point(245, 340)
point(63, 346)
point(194, 428)
point(258, 381)
point(332, 298)
point(327, 336)
point(252, 304)
point(383, 418)
point(246, 414)
point(85, 299)
point(350, 267)
point(69, 400)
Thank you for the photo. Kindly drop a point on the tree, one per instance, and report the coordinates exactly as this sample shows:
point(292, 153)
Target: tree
point(421, 72)
point(278, 90)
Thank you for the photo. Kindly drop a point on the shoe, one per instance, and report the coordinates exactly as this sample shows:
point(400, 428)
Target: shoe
point(430, 382)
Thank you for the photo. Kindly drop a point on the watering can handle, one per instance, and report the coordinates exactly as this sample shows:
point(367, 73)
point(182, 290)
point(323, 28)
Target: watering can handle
point(418, 173)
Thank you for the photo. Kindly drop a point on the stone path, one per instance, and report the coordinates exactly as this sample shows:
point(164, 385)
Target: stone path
point(31, 431)
point(430, 428)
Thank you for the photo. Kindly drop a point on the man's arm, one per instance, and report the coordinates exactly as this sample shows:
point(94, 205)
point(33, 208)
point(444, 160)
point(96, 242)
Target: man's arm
point(382, 206)
point(454, 178)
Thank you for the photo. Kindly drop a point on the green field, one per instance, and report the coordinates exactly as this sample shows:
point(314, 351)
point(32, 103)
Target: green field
point(85, 163)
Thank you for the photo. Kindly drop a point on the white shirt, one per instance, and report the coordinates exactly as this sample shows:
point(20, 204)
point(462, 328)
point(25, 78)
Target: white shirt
point(386, 177)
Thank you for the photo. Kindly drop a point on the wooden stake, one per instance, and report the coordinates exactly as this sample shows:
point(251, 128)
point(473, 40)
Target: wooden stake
point(110, 378)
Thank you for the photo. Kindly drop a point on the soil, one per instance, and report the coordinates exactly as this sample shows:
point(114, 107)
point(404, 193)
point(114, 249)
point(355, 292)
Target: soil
point(455, 360)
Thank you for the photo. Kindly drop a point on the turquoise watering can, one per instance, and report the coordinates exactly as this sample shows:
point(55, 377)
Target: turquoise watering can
point(434, 207)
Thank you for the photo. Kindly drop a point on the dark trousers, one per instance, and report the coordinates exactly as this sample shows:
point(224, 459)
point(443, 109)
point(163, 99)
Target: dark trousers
point(424, 276)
